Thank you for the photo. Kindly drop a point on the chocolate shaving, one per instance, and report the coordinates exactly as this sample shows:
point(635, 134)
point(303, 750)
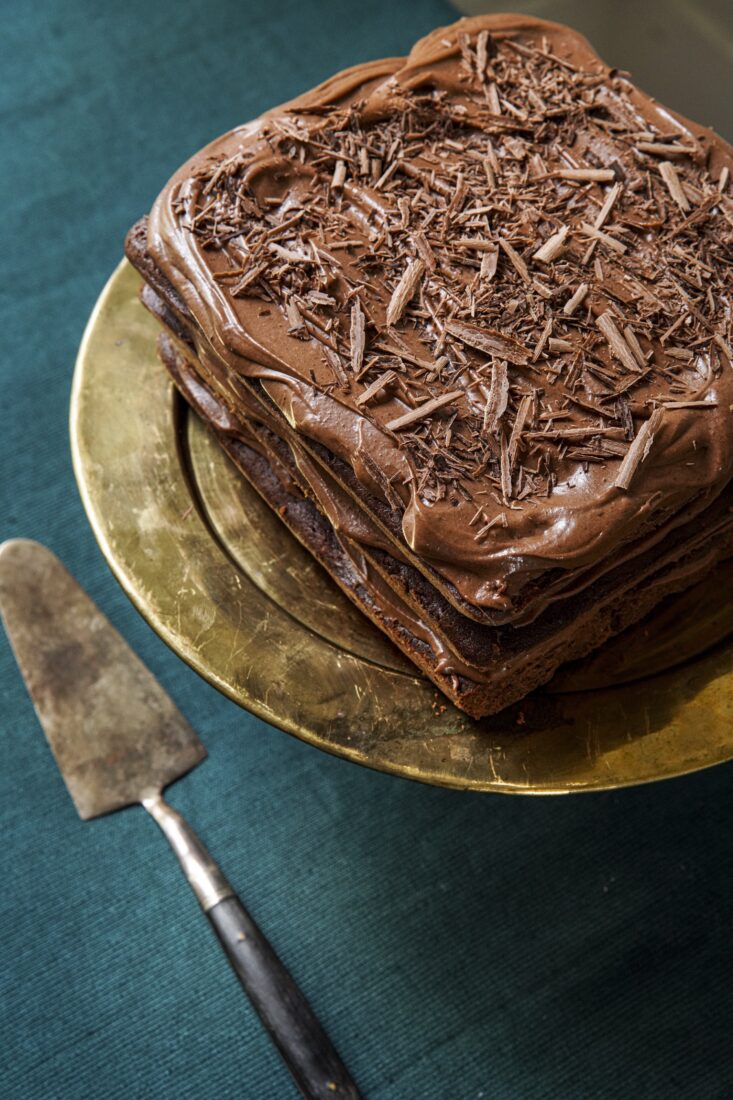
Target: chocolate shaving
point(577, 299)
point(489, 262)
point(482, 54)
point(426, 409)
point(639, 450)
point(289, 254)
point(334, 361)
point(608, 205)
point(490, 342)
point(542, 340)
point(404, 291)
point(498, 398)
point(668, 173)
point(604, 238)
point(499, 520)
point(375, 387)
point(475, 244)
point(557, 344)
point(506, 472)
point(690, 404)
point(339, 176)
point(578, 433)
point(618, 346)
point(515, 439)
point(424, 250)
point(594, 175)
point(358, 337)
point(663, 148)
point(634, 346)
point(553, 246)
point(515, 259)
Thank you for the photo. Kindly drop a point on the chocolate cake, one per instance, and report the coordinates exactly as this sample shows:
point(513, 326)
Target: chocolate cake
point(464, 320)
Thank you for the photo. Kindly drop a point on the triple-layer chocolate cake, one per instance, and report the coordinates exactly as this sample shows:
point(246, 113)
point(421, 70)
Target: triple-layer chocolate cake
point(464, 320)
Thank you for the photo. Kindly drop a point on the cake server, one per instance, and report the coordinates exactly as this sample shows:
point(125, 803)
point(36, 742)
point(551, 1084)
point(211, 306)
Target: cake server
point(118, 739)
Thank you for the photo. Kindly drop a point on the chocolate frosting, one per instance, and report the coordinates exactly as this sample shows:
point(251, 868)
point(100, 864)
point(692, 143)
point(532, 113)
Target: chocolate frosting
point(494, 279)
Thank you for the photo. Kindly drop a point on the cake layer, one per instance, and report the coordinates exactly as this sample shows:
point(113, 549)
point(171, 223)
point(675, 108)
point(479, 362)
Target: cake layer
point(493, 283)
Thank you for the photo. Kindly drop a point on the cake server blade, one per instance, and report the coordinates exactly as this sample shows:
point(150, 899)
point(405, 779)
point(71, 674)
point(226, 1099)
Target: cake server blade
point(118, 739)
point(115, 733)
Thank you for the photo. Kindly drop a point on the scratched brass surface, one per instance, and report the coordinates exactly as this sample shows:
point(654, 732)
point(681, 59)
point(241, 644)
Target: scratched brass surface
point(222, 581)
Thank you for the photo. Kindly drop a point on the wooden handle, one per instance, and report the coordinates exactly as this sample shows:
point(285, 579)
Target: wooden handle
point(305, 1048)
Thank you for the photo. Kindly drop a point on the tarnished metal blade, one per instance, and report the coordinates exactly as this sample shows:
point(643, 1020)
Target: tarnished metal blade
point(115, 733)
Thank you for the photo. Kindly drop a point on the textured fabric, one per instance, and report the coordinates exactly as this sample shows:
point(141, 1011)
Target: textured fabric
point(455, 946)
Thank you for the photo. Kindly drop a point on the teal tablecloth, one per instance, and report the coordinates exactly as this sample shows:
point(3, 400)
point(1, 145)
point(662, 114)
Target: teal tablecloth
point(456, 946)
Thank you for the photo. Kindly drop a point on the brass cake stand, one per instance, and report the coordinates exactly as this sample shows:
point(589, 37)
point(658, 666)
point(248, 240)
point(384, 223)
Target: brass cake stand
point(229, 589)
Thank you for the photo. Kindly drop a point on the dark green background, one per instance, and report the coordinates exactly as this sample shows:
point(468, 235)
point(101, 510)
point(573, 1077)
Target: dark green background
point(456, 946)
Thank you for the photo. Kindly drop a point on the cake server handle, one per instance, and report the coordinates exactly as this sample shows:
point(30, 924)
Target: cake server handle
point(293, 1027)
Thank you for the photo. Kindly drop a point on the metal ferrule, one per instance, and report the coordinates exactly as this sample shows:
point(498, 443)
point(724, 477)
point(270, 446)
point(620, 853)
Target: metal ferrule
point(206, 879)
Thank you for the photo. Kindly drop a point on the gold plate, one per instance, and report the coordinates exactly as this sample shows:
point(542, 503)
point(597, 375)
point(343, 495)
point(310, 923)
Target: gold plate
point(220, 579)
